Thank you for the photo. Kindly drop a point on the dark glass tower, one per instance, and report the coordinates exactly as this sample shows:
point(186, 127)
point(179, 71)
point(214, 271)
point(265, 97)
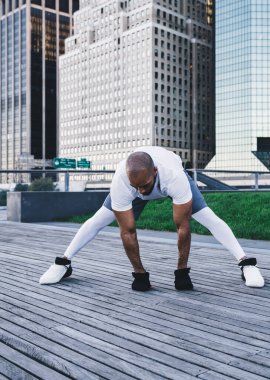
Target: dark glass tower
point(32, 35)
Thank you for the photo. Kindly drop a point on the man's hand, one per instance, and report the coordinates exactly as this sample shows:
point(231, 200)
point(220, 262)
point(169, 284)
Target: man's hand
point(128, 235)
point(181, 217)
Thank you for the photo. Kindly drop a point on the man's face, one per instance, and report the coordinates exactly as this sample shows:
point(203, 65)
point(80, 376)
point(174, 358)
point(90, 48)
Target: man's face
point(144, 181)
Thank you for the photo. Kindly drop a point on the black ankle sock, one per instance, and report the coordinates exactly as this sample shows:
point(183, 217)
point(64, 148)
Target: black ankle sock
point(141, 281)
point(249, 261)
point(182, 279)
point(62, 261)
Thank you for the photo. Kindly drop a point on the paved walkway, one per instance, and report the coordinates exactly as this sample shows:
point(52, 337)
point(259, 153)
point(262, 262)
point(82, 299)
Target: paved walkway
point(93, 326)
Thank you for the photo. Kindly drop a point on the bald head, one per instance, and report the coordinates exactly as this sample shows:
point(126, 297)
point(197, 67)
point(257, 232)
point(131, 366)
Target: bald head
point(139, 162)
point(141, 172)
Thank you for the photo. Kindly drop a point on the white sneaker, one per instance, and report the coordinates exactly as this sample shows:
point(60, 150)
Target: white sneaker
point(61, 269)
point(251, 273)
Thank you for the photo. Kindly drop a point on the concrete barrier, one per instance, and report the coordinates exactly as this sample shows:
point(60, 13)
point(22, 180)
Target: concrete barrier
point(41, 206)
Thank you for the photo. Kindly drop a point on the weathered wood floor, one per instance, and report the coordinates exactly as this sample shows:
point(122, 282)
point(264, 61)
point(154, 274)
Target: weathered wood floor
point(93, 326)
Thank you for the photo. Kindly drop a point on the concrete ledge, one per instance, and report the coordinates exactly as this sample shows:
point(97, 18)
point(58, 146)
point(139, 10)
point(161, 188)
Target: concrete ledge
point(41, 206)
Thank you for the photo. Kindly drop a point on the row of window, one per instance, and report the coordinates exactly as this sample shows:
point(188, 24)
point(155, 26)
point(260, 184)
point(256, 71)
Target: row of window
point(61, 5)
point(105, 146)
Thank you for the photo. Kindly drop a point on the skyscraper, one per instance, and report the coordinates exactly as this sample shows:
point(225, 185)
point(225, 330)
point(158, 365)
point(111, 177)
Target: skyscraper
point(242, 85)
point(32, 38)
point(138, 72)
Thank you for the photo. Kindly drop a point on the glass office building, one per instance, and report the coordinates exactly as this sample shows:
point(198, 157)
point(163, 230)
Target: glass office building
point(32, 35)
point(242, 85)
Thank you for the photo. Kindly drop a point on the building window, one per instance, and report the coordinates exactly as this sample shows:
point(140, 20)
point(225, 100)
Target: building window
point(37, 2)
point(50, 4)
point(263, 144)
point(75, 5)
point(64, 6)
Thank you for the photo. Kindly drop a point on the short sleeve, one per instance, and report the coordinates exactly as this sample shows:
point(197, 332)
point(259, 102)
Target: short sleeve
point(121, 195)
point(179, 189)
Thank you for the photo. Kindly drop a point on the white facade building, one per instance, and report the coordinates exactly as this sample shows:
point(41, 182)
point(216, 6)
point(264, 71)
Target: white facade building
point(136, 73)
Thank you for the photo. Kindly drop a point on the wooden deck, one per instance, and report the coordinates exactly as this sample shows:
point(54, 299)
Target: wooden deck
point(93, 326)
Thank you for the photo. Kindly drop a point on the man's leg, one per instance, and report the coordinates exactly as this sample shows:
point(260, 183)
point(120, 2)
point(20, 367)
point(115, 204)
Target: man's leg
point(222, 232)
point(219, 229)
point(87, 232)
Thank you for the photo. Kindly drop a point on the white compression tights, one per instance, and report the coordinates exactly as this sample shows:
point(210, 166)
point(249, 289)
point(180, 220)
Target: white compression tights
point(102, 218)
point(219, 229)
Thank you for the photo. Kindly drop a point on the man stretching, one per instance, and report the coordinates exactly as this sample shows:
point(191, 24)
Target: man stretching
point(147, 174)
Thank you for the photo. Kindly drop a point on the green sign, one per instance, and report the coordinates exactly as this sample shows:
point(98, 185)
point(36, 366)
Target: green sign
point(84, 163)
point(64, 163)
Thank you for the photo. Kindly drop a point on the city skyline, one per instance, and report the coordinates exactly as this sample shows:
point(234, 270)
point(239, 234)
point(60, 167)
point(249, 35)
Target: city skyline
point(137, 72)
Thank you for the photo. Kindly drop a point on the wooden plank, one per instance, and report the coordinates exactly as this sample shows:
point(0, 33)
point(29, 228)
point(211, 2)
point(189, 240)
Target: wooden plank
point(50, 352)
point(239, 371)
point(43, 355)
point(235, 335)
point(97, 311)
point(10, 371)
point(264, 354)
point(247, 319)
point(236, 303)
point(28, 364)
point(180, 354)
point(107, 263)
point(99, 327)
point(2, 377)
point(212, 375)
point(169, 305)
point(99, 343)
point(237, 277)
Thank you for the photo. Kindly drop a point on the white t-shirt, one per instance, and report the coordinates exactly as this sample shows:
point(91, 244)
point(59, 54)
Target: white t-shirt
point(171, 180)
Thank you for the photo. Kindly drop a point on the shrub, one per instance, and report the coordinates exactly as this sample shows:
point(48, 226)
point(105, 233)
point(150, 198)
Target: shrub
point(42, 184)
point(21, 187)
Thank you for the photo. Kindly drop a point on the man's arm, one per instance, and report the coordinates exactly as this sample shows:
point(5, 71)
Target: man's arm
point(128, 235)
point(181, 217)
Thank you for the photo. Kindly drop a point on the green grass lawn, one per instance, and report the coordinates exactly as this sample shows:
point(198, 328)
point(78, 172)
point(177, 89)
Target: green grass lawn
point(248, 214)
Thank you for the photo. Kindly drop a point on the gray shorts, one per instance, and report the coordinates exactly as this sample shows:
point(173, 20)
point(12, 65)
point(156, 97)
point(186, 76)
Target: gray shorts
point(138, 204)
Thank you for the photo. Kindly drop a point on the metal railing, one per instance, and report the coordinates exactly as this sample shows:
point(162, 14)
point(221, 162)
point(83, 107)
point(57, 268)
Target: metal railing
point(256, 175)
point(66, 173)
point(253, 176)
